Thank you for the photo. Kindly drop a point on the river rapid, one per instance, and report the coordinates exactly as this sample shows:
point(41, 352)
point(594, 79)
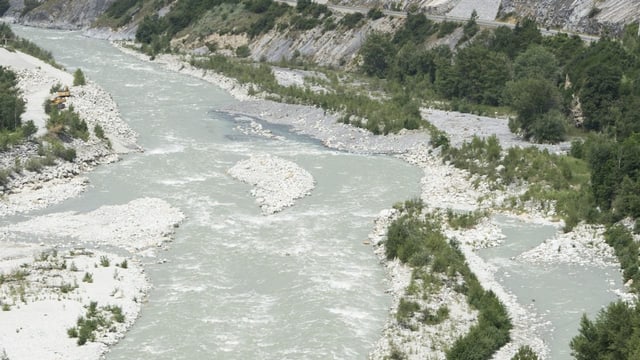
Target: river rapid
point(300, 284)
point(238, 284)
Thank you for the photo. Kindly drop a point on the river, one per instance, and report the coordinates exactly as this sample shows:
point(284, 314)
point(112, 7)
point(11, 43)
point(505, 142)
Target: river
point(237, 284)
point(296, 285)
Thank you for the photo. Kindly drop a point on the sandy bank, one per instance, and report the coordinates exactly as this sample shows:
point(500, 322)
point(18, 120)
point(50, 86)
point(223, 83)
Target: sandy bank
point(277, 182)
point(45, 288)
point(136, 226)
point(45, 291)
point(30, 190)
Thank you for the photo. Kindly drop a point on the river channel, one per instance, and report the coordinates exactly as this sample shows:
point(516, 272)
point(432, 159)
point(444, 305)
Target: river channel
point(299, 284)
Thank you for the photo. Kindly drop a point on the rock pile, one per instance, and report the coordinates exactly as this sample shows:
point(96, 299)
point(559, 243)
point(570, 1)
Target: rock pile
point(278, 182)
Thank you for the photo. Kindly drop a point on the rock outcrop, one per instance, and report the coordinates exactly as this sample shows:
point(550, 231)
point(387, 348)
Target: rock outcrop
point(59, 14)
point(592, 17)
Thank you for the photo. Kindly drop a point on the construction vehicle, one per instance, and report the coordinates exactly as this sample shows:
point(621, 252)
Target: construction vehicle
point(64, 93)
point(61, 98)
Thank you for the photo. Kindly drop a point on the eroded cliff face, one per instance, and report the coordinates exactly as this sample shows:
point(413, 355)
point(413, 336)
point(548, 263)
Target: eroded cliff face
point(59, 14)
point(588, 16)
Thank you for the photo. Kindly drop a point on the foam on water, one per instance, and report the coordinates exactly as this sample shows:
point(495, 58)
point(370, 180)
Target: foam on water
point(237, 284)
point(168, 149)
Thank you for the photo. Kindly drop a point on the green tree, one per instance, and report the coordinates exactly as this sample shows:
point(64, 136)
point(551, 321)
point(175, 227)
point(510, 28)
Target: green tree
point(613, 335)
point(549, 127)
point(471, 26)
point(598, 94)
point(536, 62)
point(531, 99)
point(479, 75)
point(78, 78)
point(525, 353)
point(29, 128)
point(377, 52)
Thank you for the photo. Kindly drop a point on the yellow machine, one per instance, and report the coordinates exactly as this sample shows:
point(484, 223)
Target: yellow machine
point(64, 93)
point(61, 98)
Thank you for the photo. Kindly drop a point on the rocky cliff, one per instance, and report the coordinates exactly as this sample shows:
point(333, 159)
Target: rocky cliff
point(58, 14)
point(588, 16)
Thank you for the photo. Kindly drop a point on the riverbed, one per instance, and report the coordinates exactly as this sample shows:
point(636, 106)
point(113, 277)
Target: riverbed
point(238, 284)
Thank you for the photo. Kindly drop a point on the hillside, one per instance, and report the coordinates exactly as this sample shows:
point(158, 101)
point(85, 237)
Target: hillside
point(58, 14)
point(592, 17)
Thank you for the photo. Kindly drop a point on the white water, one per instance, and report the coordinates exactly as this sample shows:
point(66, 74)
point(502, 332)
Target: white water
point(237, 284)
point(299, 284)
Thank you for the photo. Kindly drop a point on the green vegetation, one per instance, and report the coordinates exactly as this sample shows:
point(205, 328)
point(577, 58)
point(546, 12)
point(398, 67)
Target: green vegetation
point(88, 277)
point(78, 78)
point(628, 252)
point(96, 319)
point(416, 238)
point(525, 353)
point(553, 180)
point(11, 104)
point(382, 116)
point(615, 334)
point(104, 261)
point(465, 220)
point(13, 42)
point(29, 5)
point(67, 123)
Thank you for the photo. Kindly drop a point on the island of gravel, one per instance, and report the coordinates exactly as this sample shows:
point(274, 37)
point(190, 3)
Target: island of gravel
point(277, 182)
point(443, 187)
point(60, 297)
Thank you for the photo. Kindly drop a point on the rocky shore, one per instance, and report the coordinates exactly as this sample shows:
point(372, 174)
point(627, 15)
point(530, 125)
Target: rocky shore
point(35, 189)
point(50, 273)
point(45, 288)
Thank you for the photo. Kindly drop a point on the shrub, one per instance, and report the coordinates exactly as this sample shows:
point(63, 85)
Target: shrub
point(34, 164)
point(243, 51)
point(375, 13)
point(446, 27)
point(28, 129)
point(78, 78)
point(104, 261)
point(88, 277)
point(525, 353)
point(351, 20)
point(97, 129)
point(406, 309)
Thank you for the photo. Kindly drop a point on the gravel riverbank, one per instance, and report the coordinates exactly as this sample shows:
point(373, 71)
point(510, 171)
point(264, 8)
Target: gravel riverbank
point(27, 189)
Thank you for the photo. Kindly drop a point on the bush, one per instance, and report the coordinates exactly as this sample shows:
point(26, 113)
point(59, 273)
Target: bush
point(406, 309)
point(28, 129)
point(446, 27)
point(4, 6)
point(34, 164)
point(351, 20)
point(104, 261)
point(525, 353)
point(97, 129)
point(78, 78)
point(88, 278)
point(243, 51)
point(375, 14)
